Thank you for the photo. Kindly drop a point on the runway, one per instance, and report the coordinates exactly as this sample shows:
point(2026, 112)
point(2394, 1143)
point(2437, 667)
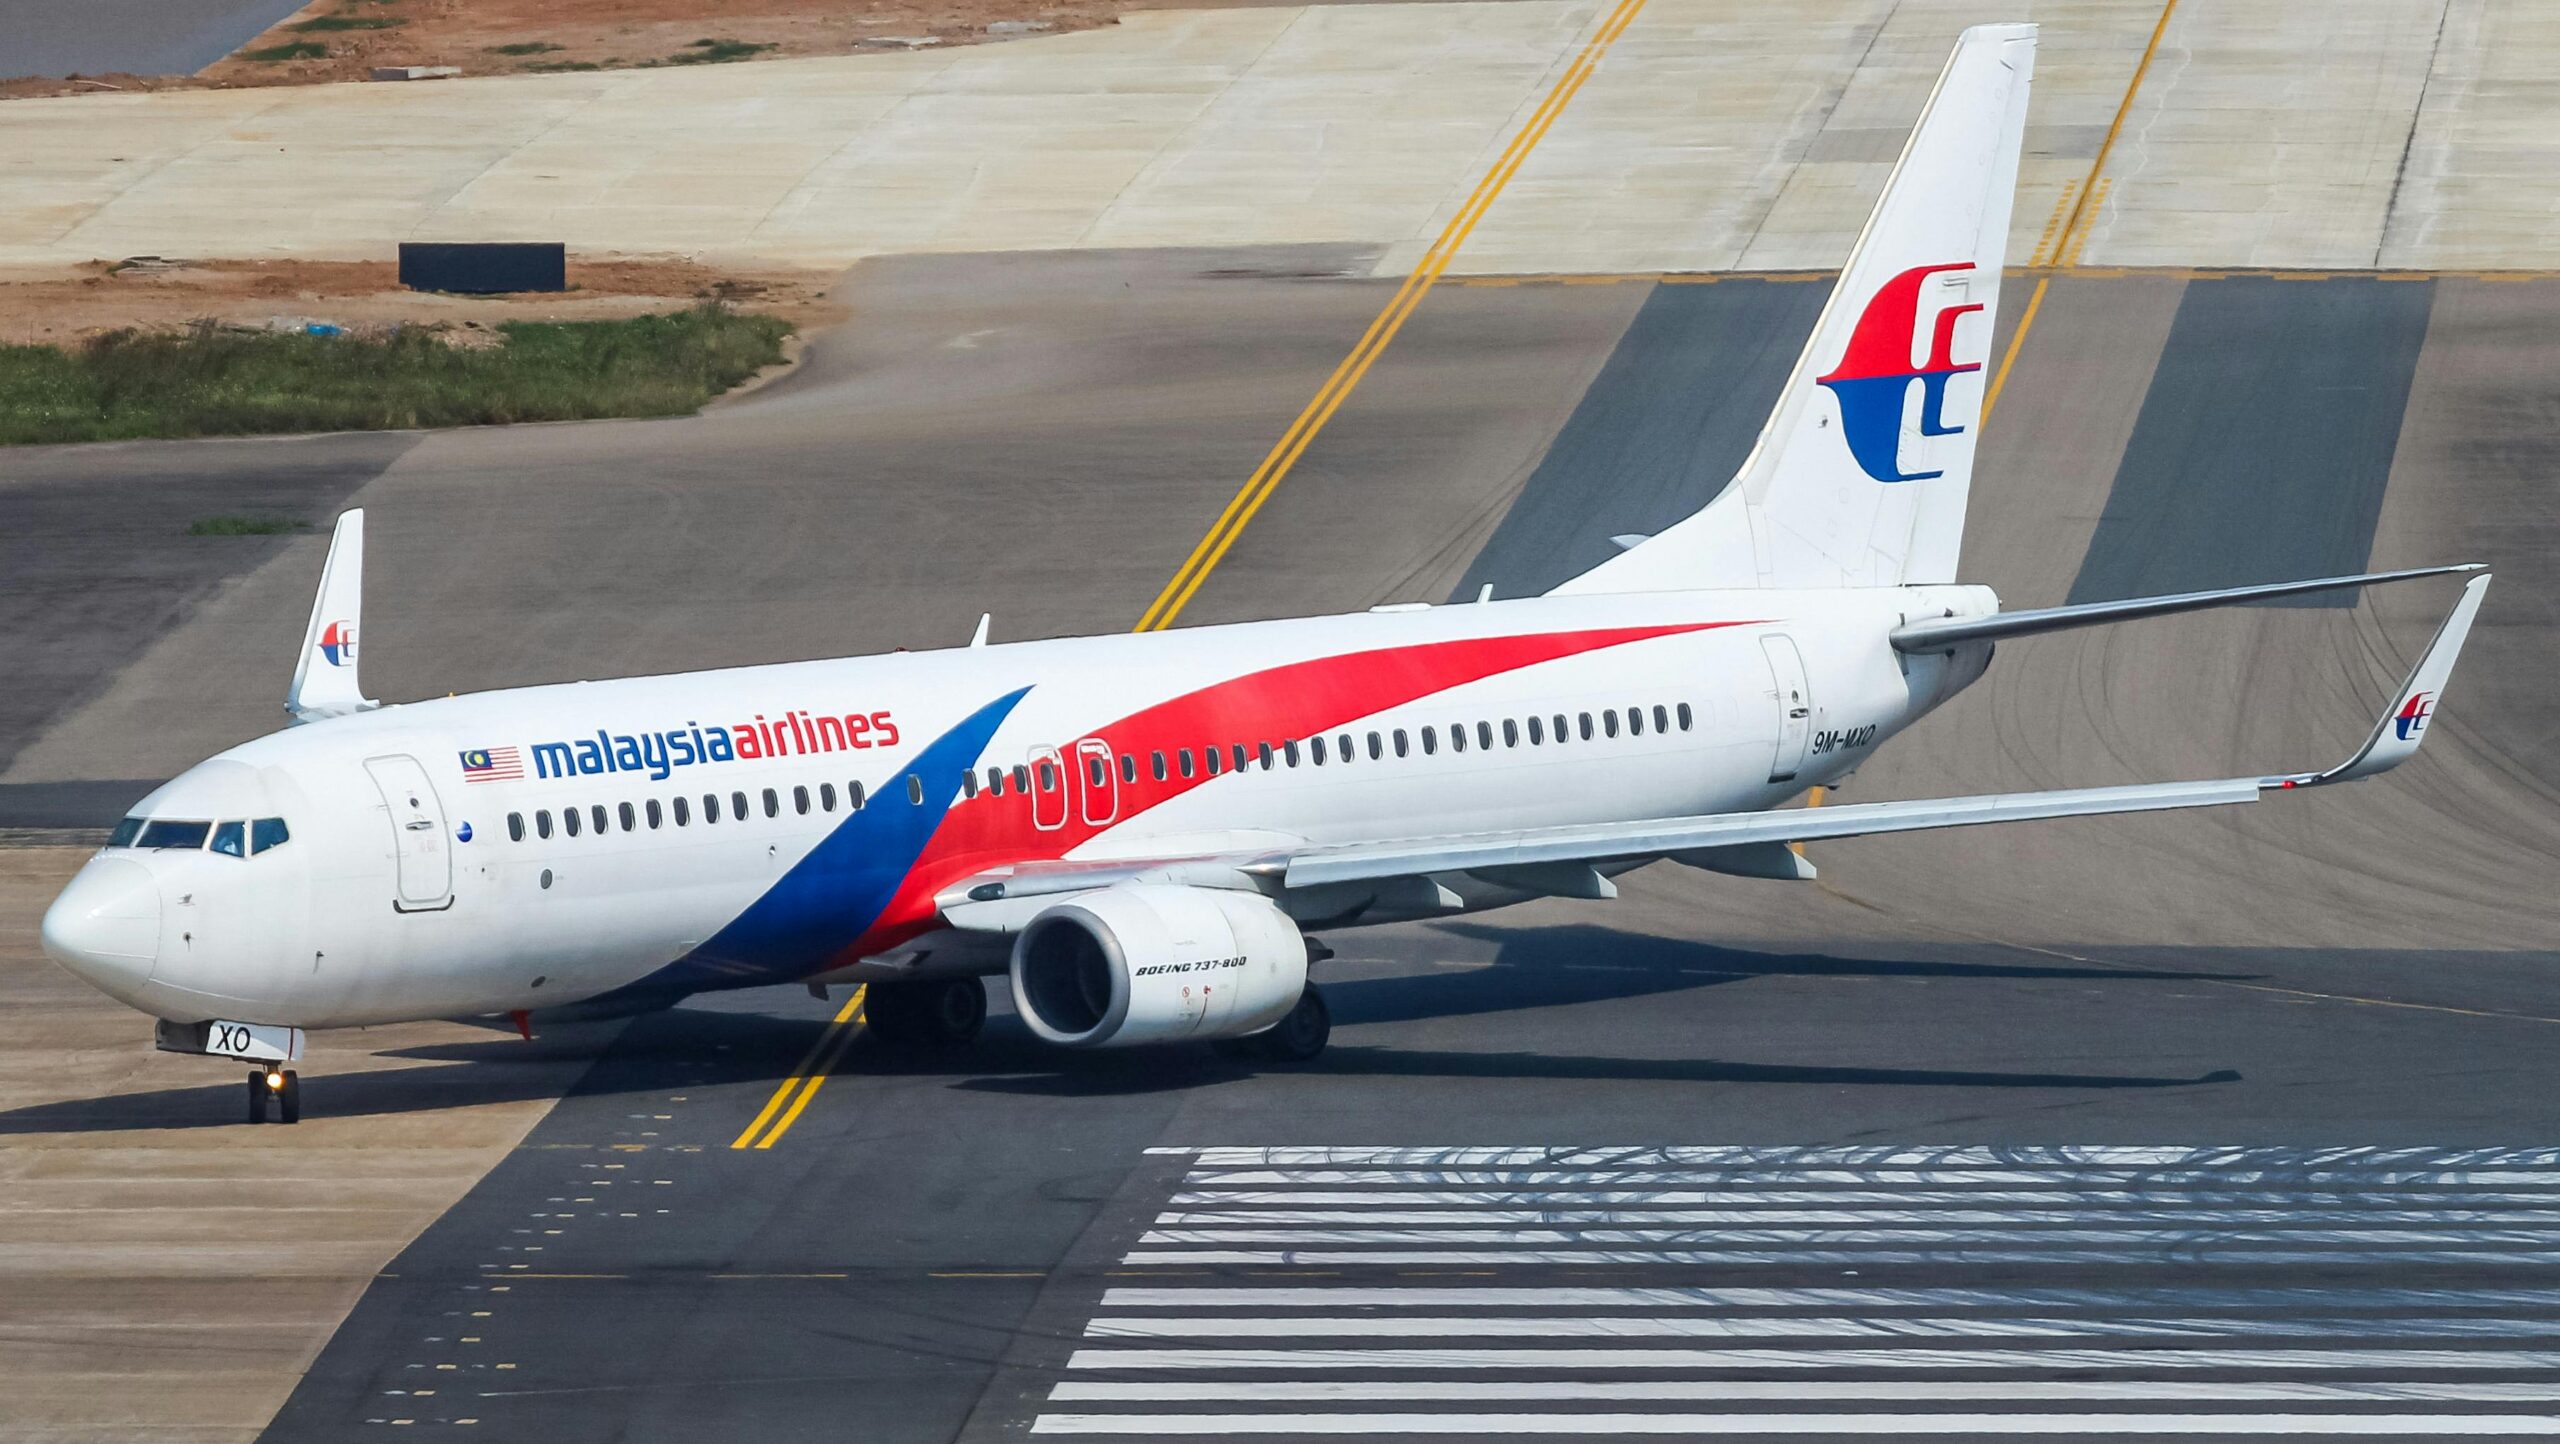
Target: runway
point(921, 1253)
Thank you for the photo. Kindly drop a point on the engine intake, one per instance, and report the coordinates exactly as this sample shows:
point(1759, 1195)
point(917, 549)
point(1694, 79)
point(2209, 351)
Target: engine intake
point(1157, 963)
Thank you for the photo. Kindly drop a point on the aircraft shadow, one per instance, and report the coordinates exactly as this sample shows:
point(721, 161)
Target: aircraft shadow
point(716, 1045)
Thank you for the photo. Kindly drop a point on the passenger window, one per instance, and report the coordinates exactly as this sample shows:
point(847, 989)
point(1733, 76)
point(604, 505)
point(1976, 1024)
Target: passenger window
point(1562, 733)
point(569, 821)
point(1021, 778)
point(1316, 750)
point(1182, 759)
point(515, 827)
point(598, 810)
point(1377, 747)
point(1685, 717)
point(231, 839)
point(1209, 759)
point(826, 797)
point(800, 800)
point(968, 783)
point(657, 815)
point(1342, 744)
point(772, 803)
point(1635, 721)
point(1159, 766)
point(1430, 742)
point(915, 790)
point(1263, 750)
point(1609, 722)
point(1537, 734)
point(1048, 778)
point(1095, 771)
point(738, 806)
point(995, 782)
point(1240, 757)
point(542, 822)
point(1457, 736)
point(629, 821)
point(1586, 727)
point(853, 797)
point(1484, 735)
point(1400, 747)
point(1128, 767)
point(1661, 719)
point(711, 807)
point(684, 817)
point(126, 831)
point(177, 836)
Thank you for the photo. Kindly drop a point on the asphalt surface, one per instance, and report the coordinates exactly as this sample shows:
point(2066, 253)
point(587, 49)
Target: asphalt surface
point(929, 1251)
point(141, 37)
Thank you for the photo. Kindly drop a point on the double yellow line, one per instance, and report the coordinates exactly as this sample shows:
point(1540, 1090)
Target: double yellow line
point(1293, 443)
point(802, 1085)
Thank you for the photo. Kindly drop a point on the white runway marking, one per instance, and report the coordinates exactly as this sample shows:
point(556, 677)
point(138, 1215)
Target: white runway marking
point(2405, 1425)
point(1297, 1291)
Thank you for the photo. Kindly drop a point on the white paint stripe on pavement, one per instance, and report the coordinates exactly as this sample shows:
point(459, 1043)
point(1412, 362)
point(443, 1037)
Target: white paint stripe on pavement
point(1878, 1156)
point(2478, 1239)
point(1578, 1422)
point(1609, 1196)
point(1566, 1297)
point(1763, 1326)
point(1569, 1360)
point(2191, 1252)
point(2190, 1391)
point(1872, 1177)
point(2158, 1214)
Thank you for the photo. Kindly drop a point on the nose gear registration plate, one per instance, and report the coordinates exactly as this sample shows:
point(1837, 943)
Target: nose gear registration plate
point(256, 1042)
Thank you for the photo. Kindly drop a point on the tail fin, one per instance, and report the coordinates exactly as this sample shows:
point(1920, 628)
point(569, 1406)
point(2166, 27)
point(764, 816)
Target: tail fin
point(1860, 476)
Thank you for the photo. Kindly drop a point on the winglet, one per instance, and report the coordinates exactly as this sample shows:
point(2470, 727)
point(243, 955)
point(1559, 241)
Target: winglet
point(324, 681)
point(2396, 737)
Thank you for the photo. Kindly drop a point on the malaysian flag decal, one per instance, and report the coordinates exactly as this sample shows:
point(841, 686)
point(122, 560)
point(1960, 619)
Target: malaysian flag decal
point(493, 764)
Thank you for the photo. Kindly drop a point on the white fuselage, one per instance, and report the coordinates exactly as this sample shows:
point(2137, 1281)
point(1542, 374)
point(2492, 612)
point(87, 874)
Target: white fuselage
point(431, 870)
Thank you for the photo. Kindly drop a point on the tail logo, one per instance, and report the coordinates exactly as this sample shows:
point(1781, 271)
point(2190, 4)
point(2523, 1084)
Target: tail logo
point(1875, 374)
point(338, 643)
point(2413, 714)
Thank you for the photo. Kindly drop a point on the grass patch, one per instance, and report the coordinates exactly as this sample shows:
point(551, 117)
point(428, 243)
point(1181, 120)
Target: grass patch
point(246, 526)
point(713, 52)
point(349, 22)
point(525, 47)
point(296, 50)
point(221, 383)
point(557, 67)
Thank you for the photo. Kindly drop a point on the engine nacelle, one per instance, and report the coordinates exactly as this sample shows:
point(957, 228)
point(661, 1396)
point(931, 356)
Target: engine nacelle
point(1157, 963)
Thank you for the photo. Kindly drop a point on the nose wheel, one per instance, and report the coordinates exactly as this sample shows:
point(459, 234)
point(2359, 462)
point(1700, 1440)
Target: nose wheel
point(282, 1087)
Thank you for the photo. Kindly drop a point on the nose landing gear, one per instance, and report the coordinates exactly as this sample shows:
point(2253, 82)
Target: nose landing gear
point(284, 1086)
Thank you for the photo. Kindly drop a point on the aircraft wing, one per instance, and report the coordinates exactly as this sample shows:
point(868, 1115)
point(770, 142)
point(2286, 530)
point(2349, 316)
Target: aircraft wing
point(1003, 903)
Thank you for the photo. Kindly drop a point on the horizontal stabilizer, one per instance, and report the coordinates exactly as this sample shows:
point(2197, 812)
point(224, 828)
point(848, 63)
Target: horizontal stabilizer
point(1931, 636)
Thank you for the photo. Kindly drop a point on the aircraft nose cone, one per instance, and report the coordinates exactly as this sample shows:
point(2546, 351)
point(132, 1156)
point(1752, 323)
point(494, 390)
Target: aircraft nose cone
point(106, 925)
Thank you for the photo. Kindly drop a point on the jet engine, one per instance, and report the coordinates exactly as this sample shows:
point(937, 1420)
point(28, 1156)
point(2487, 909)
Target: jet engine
point(1157, 963)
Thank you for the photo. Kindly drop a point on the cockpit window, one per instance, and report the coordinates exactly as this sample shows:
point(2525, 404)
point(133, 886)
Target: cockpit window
point(126, 831)
point(267, 832)
point(172, 834)
point(231, 839)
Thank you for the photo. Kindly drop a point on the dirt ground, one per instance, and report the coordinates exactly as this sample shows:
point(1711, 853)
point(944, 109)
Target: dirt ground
point(498, 37)
point(59, 307)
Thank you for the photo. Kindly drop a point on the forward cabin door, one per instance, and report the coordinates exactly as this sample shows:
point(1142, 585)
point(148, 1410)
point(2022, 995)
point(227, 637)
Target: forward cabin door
point(1097, 782)
point(1795, 705)
point(425, 863)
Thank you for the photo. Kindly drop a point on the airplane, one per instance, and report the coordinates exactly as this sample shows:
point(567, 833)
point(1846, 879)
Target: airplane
point(1148, 834)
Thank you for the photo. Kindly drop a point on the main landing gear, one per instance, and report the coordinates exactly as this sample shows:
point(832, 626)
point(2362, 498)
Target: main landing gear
point(1298, 1037)
point(931, 1015)
point(284, 1086)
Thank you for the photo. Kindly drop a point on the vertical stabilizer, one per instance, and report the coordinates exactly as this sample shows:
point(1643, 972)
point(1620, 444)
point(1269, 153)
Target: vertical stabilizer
point(1860, 476)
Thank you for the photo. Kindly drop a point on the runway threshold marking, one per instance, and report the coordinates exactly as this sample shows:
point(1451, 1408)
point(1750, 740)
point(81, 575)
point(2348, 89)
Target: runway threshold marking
point(795, 1091)
point(2090, 190)
point(1329, 397)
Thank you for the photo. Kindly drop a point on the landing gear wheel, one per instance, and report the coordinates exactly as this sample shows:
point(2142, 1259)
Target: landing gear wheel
point(939, 1014)
point(257, 1095)
point(289, 1098)
point(1300, 1035)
